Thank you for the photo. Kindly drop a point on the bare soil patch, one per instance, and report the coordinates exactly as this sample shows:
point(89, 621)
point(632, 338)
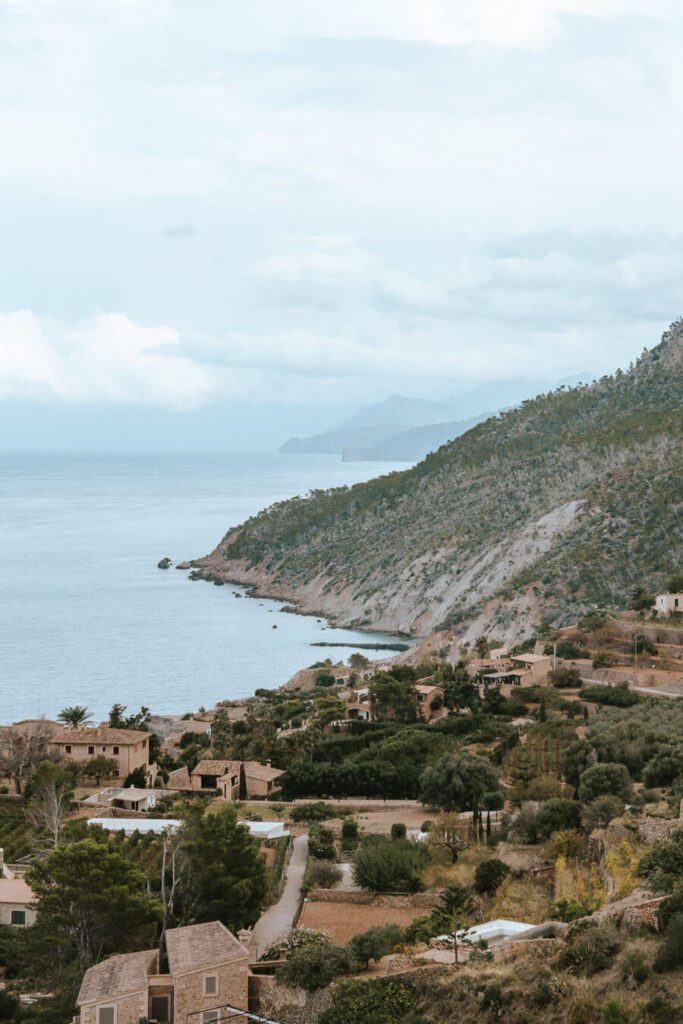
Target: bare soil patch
point(341, 921)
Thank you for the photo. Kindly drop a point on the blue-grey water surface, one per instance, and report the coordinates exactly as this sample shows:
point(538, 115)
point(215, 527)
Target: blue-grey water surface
point(87, 618)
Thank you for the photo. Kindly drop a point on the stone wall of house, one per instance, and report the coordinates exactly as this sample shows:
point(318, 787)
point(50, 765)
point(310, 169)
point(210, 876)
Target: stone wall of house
point(409, 901)
point(129, 1009)
point(6, 913)
point(233, 989)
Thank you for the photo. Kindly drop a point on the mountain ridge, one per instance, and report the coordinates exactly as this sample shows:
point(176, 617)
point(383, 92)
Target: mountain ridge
point(543, 511)
point(398, 424)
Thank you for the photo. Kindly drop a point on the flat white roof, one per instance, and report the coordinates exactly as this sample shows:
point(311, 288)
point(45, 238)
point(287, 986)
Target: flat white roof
point(136, 824)
point(266, 829)
point(490, 931)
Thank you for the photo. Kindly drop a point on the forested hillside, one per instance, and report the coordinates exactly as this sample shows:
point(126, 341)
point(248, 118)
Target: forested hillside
point(539, 513)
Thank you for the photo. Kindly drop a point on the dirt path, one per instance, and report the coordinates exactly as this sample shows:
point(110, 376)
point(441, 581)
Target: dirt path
point(278, 919)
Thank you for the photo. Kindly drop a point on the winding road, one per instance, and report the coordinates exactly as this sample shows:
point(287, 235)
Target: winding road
point(279, 919)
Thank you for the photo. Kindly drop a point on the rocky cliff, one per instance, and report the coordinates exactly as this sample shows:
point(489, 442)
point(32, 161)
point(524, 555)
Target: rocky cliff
point(561, 504)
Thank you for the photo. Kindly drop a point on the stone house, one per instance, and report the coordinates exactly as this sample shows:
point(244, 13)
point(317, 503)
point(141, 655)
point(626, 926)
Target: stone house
point(128, 747)
point(17, 903)
point(668, 604)
point(224, 777)
point(533, 667)
point(129, 799)
point(427, 694)
point(207, 970)
point(358, 707)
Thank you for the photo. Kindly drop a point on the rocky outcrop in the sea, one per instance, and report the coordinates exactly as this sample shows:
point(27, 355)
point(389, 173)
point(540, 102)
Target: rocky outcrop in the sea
point(165, 563)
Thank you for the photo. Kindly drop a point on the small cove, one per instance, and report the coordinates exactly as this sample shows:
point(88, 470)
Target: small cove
point(88, 618)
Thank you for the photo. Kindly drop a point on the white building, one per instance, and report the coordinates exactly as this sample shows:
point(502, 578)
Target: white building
point(667, 604)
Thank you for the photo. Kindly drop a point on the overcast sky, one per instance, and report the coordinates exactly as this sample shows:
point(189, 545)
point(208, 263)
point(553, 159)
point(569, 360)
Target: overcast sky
point(283, 209)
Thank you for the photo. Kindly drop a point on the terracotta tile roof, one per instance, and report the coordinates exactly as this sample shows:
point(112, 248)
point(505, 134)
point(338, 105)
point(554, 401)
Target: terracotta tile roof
point(254, 770)
point(201, 945)
point(216, 767)
point(118, 976)
point(179, 779)
point(102, 734)
point(15, 890)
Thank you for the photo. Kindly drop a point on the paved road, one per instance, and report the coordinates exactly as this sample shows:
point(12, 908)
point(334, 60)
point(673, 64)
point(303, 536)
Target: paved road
point(278, 919)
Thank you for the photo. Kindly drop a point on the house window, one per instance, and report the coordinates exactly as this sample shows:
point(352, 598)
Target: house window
point(18, 917)
point(115, 750)
point(91, 750)
point(68, 748)
point(104, 750)
point(106, 1015)
point(158, 1009)
point(210, 1017)
point(210, 985)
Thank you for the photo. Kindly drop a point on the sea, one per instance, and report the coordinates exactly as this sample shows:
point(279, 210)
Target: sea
point(86, 617)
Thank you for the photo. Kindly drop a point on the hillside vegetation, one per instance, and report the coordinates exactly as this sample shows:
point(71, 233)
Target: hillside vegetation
point(544, 511)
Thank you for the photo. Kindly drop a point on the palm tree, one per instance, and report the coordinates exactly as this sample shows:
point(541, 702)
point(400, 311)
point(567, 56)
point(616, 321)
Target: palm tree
point(75, 716)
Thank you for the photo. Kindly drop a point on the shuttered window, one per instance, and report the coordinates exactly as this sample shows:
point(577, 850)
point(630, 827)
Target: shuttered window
point(106, 1015)
point(210, 985)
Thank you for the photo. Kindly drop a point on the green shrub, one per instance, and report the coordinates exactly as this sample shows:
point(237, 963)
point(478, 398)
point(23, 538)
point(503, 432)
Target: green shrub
point(663, 865)
point(605, 659)
point(589, 951)
point(568, 910)
point(660, 1010)
point(385, 1001)
point(612, 1012)
point(557, 815)
point(492, 998)
point(314, 965)
point(605, 779)
point(321, 843)
point(565, 678)
point(381, 865)
point(375, 943)
point(493, 800)
point(633, 970)
point(619, 696)
point(427, 825)
point(349, 829)
point(489, 876)
point(323, 874)
point(398, 830)
point(670, 953)
point(669, 908)
point(599, 812)
point(317, 811)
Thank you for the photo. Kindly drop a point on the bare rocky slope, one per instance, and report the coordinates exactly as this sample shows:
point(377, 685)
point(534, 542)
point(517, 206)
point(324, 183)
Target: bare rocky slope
point(544, 511)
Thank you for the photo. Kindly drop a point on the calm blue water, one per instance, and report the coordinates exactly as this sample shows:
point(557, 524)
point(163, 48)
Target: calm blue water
point(87, 618)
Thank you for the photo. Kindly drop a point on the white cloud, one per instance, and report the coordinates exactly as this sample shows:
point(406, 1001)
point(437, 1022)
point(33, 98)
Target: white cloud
point(107, 358)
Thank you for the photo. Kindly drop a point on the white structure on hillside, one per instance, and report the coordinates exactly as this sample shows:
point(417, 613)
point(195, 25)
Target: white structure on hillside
point(491, 931)
point(667, 604)
point(130, 798)
point(131, 825)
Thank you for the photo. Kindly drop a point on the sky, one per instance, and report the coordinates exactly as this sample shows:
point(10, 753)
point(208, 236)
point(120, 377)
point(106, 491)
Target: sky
point(223, 223)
